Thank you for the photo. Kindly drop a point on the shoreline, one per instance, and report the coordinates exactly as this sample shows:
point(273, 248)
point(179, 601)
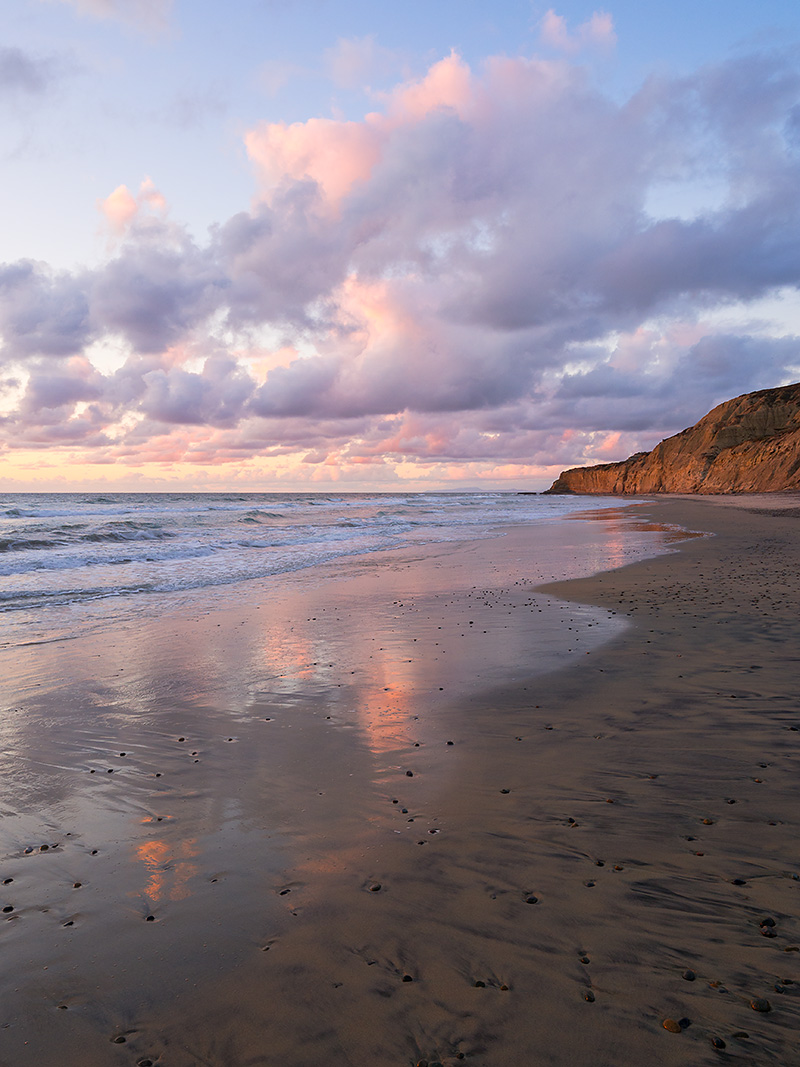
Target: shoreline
point(510, 934)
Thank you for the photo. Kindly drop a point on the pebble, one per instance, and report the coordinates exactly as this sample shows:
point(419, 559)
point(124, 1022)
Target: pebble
point(717, 1042)
point(672, 1026)
point(589, 996)
point(768, 921)
point(505, 790)
point(760, 1004)
point(531, 899)
point(689, 975)
point(407, 978)
point(375, 888)
point(409, 774)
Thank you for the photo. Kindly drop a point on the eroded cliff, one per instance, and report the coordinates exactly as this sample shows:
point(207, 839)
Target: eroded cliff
point(747, 445)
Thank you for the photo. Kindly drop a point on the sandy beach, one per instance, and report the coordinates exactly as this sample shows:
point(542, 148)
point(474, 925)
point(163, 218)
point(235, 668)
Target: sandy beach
point(392, 823)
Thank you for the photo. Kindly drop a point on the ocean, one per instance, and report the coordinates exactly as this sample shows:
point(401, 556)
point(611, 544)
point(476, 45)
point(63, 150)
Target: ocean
point(75, 560)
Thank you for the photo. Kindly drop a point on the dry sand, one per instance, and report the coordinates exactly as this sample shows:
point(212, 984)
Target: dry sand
point(532, 893)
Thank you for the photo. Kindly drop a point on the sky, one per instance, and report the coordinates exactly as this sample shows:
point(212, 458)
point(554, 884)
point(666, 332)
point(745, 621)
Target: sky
point(287, 245)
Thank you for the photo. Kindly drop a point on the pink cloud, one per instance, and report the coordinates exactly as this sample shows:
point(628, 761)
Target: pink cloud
point(121, 207)
point(448, 84)
point(334, 155)
point(597, 31)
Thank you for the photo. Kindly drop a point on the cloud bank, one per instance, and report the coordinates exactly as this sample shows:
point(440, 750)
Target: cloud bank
point(468, 281)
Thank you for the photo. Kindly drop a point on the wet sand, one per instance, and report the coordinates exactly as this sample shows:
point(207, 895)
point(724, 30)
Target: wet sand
point(402, 837)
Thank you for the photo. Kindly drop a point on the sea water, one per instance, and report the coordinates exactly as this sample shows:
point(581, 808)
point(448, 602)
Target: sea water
point(72, 560)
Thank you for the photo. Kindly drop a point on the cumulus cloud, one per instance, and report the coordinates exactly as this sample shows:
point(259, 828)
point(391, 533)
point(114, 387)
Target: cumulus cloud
point(42, 313)
point(121, 207)
point(468, 274)
point(157, 289)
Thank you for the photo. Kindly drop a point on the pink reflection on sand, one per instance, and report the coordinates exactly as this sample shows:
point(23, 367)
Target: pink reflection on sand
point(168, 867)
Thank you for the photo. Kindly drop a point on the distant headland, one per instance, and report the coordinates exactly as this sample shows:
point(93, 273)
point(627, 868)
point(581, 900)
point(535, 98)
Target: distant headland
point(750, 444)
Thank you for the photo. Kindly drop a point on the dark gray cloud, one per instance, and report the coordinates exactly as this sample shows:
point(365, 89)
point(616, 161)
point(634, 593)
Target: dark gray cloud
point(42, 312)
point(214, 397)
point(159, 288)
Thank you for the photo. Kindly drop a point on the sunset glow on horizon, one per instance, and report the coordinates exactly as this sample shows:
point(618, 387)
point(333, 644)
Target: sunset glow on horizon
point(312, 246)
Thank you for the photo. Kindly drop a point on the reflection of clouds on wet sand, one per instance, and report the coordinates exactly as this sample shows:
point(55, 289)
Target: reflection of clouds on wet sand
point(168, 867)
point(276, 735)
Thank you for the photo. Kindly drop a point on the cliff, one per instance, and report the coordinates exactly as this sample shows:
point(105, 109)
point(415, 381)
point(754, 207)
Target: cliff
point(747, 445)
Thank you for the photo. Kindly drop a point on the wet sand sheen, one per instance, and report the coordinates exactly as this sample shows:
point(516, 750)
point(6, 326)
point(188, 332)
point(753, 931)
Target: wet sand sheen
point(502, 874)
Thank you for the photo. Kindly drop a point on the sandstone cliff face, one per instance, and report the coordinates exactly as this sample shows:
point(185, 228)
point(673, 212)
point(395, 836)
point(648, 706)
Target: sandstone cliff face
point(747, 445)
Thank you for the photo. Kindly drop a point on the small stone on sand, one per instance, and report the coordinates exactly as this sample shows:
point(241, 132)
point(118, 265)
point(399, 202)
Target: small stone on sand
point(689, 976)
point(760, 1004)
point(672, 1026)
